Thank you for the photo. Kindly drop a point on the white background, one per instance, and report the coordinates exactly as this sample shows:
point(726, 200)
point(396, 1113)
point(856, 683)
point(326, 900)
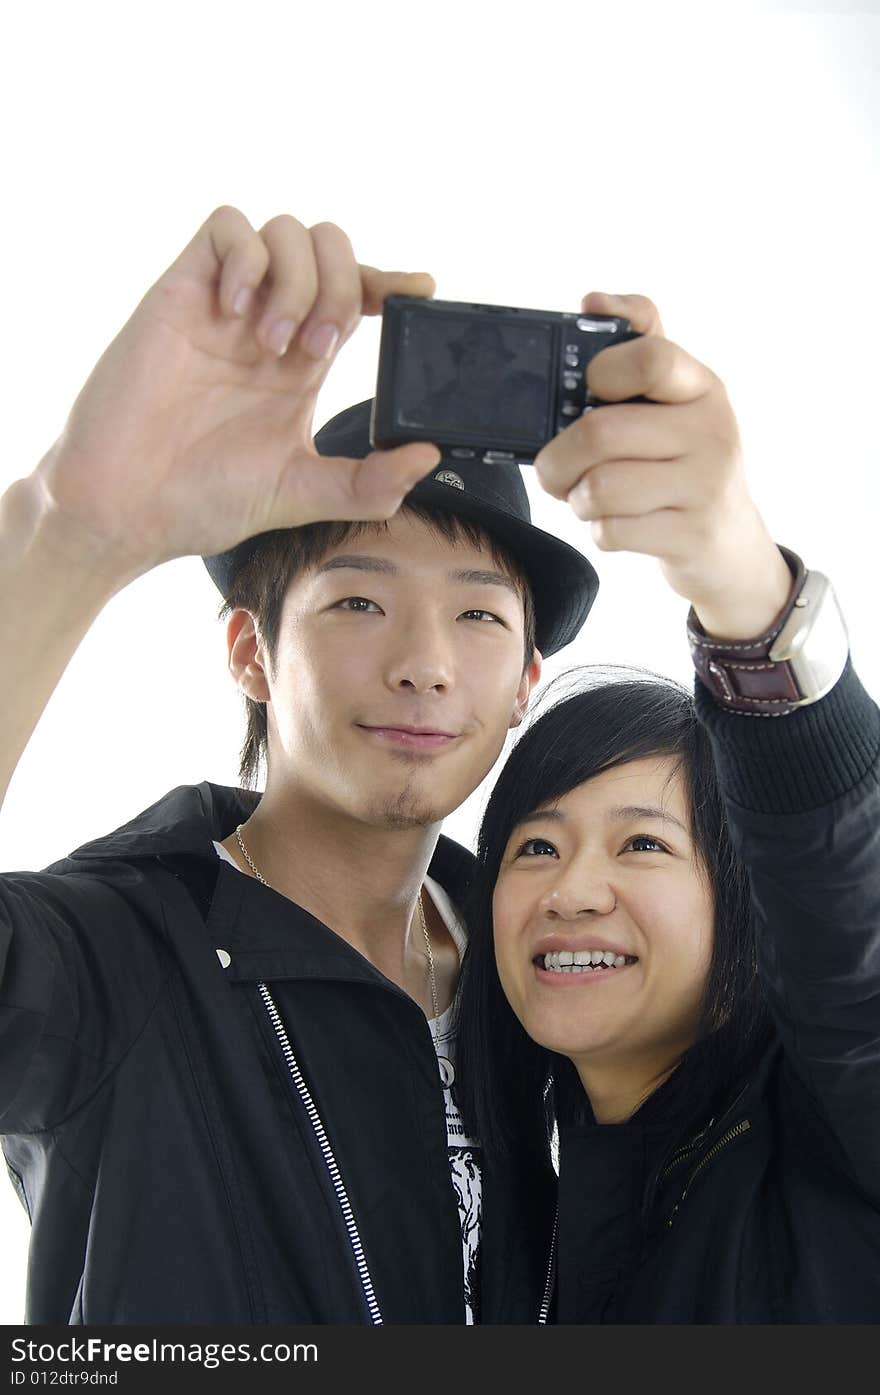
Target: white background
point(718, 158)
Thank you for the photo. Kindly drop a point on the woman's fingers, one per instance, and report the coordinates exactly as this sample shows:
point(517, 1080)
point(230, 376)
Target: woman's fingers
point(642, 313)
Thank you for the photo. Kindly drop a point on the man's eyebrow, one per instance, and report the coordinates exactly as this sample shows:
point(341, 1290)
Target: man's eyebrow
point(466, 577)
point(621, 813)
point(359, 563)
point(484, 578)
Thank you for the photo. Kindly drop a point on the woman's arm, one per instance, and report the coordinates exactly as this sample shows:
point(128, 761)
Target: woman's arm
point(803, 801)
point(665, 476)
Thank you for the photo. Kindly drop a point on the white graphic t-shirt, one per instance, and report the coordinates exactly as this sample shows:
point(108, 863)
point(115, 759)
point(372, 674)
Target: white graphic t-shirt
point(464, 1153)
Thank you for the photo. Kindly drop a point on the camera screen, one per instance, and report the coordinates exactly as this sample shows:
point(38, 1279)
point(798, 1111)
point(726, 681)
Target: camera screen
point(474, 374)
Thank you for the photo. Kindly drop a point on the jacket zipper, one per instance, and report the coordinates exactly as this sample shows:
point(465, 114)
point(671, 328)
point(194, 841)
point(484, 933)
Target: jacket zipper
point(692, 1147)
point(544, 1310)
point(327, 1154)
point(739, 1128)
point(678, 1157)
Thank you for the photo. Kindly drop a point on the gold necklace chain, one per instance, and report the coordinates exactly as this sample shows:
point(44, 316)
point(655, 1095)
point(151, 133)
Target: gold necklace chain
point(259, 876)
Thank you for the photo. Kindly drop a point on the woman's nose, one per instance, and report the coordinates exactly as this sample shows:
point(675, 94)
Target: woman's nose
point(578, 894)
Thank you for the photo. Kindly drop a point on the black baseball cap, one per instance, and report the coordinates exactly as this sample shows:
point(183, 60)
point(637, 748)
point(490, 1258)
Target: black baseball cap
point(493, 495)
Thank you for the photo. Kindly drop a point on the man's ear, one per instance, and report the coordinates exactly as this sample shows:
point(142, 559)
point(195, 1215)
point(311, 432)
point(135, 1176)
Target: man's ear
point(247, 655)
point(529, 680)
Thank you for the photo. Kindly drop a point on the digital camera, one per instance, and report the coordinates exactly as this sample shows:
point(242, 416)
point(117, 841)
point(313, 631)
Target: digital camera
point(490, 381)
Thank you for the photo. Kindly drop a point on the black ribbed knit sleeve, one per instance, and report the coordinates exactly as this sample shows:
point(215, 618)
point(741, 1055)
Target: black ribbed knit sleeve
point(788, 765)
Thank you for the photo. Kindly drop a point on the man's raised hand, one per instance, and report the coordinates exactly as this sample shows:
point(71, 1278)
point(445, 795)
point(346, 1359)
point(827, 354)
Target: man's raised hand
point(194, 429)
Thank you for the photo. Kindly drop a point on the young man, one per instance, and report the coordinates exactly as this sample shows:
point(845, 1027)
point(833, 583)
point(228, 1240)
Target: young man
point(219, 1092)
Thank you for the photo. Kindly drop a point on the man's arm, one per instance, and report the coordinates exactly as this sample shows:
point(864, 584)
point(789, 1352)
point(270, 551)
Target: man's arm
point(54, 582)
point(193, 432)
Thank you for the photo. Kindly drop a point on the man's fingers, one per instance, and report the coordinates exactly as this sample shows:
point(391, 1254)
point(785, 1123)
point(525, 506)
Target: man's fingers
point(292, 274)
point(378, 284)
point(292, 282)
point(642, 313)
point(337, 308)
point(385, 477)
point(226, 242)
point(316, 487)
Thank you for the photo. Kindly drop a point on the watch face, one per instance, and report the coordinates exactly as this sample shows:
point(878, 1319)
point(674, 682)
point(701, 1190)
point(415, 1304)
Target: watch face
point(813, 640)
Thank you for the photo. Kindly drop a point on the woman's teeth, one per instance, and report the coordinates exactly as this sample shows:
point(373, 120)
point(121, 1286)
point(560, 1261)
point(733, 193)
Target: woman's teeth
point(566, 961)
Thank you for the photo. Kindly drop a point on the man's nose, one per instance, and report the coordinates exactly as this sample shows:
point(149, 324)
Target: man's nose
point(422, 660)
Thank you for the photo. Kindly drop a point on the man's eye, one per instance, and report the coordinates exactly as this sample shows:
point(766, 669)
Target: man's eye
point(483, 615)
point(530, 848)
point(642, 842)
point(356, 603)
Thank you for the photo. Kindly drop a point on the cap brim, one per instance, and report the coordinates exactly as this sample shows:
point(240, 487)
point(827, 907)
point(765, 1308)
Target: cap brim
point(564, 583)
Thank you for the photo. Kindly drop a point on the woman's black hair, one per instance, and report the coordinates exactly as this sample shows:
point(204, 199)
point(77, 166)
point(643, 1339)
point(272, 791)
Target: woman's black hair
point(511, 1092)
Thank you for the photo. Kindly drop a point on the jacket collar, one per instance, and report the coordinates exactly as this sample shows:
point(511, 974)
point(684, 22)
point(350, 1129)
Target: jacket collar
point(251, 922)
point(184, 822)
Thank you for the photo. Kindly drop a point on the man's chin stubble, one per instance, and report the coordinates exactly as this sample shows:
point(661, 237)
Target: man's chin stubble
point(404, 812)
point(408, 808)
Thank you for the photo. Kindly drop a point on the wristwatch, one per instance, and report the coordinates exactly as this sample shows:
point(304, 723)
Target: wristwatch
point(796, 662)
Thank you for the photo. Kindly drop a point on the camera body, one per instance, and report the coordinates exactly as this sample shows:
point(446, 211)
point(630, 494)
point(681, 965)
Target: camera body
point(490, 381)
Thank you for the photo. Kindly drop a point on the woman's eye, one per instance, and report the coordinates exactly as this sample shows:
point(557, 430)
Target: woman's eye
point(356, 603)
point(642, 842)
point(535, 847)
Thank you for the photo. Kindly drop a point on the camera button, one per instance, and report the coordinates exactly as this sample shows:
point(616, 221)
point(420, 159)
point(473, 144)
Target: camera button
point(602, 326)
point(571, 360)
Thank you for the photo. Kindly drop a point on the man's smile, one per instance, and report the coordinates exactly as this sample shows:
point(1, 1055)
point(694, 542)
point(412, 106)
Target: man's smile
point(413, 738)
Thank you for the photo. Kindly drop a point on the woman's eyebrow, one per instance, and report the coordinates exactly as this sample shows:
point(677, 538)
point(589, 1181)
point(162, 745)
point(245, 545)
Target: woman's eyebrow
point(621, 813)
point(625, 812)
point(541, 816)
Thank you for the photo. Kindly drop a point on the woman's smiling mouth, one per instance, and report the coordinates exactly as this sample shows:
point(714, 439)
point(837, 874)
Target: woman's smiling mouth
point(566, 966)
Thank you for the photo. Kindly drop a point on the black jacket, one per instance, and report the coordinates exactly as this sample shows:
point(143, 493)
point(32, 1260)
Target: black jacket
point(773, 1214)
point(171, 1167)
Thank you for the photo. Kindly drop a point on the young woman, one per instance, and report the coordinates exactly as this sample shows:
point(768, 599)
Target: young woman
point(675, 961)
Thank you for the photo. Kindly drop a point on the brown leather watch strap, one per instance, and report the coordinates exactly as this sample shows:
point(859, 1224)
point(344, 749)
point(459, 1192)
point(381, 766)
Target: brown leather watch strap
point(739, 673)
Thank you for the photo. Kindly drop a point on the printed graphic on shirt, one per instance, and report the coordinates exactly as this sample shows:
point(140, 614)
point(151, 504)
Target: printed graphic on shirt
point(464, 1166)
